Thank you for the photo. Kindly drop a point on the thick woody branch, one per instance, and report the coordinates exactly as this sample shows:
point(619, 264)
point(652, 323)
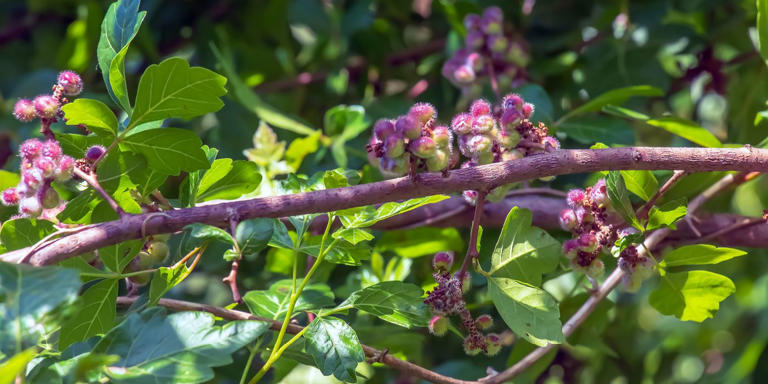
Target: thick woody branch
point(474, 178)
point(373, 353)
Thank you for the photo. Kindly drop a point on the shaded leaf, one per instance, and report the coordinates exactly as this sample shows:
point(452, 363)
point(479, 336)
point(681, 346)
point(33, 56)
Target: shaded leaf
point(615, 96)
point(335, 348)
point(202, 232)
point(367, 216)
point(253, 235)
point(21, 233)
point(686, 129)
point(95, 316)
point(340, 253)
point(273, 303)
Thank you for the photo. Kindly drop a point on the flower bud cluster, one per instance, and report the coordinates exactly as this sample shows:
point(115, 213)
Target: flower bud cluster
point(48, 107)
point(485, 136)
point(486, 49)
point(411, 142)
point(41, 164)
point(588, 219)
point(447, 299)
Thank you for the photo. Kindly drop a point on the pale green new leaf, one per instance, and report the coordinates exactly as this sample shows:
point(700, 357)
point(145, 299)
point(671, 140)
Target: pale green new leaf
point(93, 114)
point(166, 278)
point(641, 183)
point(667, 214)
point(393, 301)
point(335, 348)
point(352, 235)
point(228, 179)
point(523, 252)
point(174, 89)
point(367, 216)
point(119, 27)
point(95, 316)
point(178, 348)
point(116, 257)
point(700, 254)
point(341, 253)
point(530, 312)
point(693, 295)
point(15, 366)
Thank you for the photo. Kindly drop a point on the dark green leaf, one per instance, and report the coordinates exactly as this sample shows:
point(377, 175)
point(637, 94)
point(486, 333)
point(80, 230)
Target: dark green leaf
point(699, 254)
point(641, 183)
point(273, 303)
point(590, 129)
point(617, 192)
point(174, 89)
point(209, 232)
point(686, 129)
point(116, 257)
point(166, 278)
point(530, 312)
point(177, 348)
point(694, 295)
point(762, 28)
point(335, 348)
point(93, 114)
point(523, 252)
point(616, 96)
point(21, 233)
point(393, 301)
point(168, 150)
point(95, 316)
point(253, 235)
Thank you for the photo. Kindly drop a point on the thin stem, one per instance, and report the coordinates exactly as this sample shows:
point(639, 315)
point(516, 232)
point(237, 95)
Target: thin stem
point(93, 181)
point(295, 294)
point(642, 212)
point(472, 248)
point(251, 357)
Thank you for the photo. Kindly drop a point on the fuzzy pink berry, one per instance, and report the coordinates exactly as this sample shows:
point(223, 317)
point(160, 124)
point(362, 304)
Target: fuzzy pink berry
point(394, 146)
point(442, 261)
point(492, 344)
point(383, 129)
point(568, 219)
point(70, 82)
point(24, 110)
point(65, 168)
point(464, 74)
point(95, 152)
point(513, 101)
point(475, 61)
point(473, 345)
point(483, 124)
point(472, 21)
point(30, 149)
point(508, 139)
point(527, 110)
point(510, 119)
point(10, 197)
point(423, 112)
point(575, 197)
point(598, 193)
point(462, 123)
point(474, 40)
point(46, 106)
point(550, 142)
point(32, 178)
point(408, 126)
point(588, 242)
point(480, 107)
point(479, 144)
point(46, 166)
point(491, 20)
point(438, 325)
point(497, 43)
point(423, 147)
point(570, 248)
point(442, 136)
point(484, 321)
point(30, 206)
point(52, 150)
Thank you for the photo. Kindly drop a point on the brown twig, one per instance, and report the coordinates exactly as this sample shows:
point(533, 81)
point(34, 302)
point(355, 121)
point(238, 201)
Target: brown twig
point(231, 279)
point(483, 177)
point(642, 212)
point(229, 314)
point(93, 181)
point(472, 246)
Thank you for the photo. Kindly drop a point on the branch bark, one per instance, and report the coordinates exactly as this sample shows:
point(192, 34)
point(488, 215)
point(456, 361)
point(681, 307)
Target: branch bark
point(474, 178)
point(373, 353)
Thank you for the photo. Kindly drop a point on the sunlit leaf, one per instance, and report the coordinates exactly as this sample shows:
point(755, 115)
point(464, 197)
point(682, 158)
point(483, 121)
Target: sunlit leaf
point(693, 295)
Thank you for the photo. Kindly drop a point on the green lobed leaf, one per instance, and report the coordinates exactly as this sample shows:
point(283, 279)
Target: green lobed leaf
point(93, 114)
point(523, 252)
point(29, 294)
point(417, 242)
point(393, 301)
point(692, 295)
point(95, 316)
point(686, 129)
point(530, 312)
point(174, 89)
point(116, 257)
point(273, 303)
point(667, 214)
point(253, 235)
point(21, 233)
point(617, 193)
point(168, 150)
point(615, 96)
point(341, 253)
point(119, 27)
point(227, 180)
point(204, 232)
point(367, 216)
point(699, 254)
point(352, 235)
point(641, 183)
point(177, 348)
point(762, 28)
point(334, 346)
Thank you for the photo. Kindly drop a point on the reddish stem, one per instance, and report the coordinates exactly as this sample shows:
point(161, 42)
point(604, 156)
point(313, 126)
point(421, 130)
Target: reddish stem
point(472, 249)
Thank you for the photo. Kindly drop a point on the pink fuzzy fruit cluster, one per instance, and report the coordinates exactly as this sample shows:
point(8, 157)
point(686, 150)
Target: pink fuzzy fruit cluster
point(486, 49)
point(41, 164)
point(48, 107)
point(411, 142)
point(447, 299)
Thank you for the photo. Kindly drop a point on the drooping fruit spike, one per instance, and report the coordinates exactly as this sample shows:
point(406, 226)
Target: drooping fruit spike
point(473, 346)
point(24, 110)
point(46, 106)
point(598, 193)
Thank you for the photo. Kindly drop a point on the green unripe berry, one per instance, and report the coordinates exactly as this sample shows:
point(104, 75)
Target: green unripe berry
point(158, 250)
point(438, 325)
point(145, 261)
point(439, 161)
point(423, 147)
point(394, 146)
